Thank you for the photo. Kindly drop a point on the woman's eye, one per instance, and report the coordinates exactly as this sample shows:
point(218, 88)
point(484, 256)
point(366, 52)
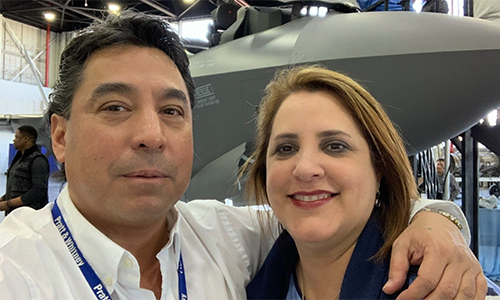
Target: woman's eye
point(336, 147)
point(285, 150)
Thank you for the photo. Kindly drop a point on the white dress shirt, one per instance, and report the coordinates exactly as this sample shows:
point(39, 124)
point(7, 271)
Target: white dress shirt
point(222, 247)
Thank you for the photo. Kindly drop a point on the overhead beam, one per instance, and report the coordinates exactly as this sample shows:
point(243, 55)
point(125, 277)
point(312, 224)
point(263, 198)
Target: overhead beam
point(58, 9)
point(24, 20)
point(159, 7)
point(72, 9)
point(23, 10)
point(187, 9)
point(63, 12)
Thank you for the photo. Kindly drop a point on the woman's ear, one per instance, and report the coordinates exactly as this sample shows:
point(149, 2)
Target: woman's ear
point(58, 136)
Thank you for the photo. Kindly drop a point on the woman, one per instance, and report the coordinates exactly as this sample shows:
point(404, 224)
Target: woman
point(335, 172)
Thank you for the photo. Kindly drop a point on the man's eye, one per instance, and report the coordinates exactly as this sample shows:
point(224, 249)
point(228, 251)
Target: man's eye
point(115, 108)
point(172, 111)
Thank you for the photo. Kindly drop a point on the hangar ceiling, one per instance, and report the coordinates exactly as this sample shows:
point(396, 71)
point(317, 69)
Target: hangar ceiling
point(77, 14)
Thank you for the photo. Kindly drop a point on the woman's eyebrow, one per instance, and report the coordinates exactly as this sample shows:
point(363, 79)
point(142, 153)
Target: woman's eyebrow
point(332, 133)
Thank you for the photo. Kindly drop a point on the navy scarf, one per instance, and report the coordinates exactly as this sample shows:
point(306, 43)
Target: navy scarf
point(363, 279)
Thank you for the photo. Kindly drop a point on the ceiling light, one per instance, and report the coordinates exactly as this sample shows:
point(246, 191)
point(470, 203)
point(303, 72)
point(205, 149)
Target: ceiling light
point(322, 11)
point(113, 7)
point(313, 11)
point(49, 16)
point(492, 118)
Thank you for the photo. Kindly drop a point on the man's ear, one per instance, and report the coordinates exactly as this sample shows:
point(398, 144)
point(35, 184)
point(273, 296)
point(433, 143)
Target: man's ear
point(58, 135)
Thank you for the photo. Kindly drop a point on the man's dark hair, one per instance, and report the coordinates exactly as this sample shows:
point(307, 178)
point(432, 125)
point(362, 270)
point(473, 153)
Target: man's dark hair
point(28, 131)
point(128, 28)
point(440, 159)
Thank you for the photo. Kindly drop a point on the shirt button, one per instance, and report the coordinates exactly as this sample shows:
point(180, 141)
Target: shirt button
point(127, 263)
point(108, 281)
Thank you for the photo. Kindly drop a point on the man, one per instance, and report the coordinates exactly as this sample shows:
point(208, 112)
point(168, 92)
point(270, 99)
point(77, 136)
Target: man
point(454, 188)
point(121, 122)
point(28, 174)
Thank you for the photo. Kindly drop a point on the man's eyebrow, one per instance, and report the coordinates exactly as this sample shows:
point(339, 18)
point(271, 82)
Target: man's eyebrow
point(173, 93)
point(112, 87)
point(332, 133)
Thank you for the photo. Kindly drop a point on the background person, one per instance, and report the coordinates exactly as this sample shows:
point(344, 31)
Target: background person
point(430, 6)
point(121, 123)
point(339, 182)
point(393, 5)
point(454, 188)
point(28, 174)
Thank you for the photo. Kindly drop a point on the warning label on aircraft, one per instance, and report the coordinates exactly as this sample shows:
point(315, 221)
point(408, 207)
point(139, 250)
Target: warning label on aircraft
point(205, 96)
point(203, 91)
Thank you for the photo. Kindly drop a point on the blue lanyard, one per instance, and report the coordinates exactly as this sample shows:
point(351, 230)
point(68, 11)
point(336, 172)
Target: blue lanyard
point(182, 279)
point(93, 280)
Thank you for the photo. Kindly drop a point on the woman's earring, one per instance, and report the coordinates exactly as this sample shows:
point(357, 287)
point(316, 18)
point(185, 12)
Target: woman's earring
point(377, 201)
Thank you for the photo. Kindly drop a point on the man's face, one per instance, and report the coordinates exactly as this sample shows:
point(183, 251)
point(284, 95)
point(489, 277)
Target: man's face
point(440, 167)
point(20, 141)
point(127, 146)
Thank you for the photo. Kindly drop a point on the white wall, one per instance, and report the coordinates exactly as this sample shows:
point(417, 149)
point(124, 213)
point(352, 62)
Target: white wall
point(6, 137)
point(13, 65)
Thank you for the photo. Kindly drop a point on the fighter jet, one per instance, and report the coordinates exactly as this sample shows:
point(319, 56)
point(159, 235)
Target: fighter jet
point(436, 75)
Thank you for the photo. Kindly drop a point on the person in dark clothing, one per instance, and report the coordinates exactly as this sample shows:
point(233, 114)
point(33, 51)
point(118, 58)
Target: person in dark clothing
point(430, 6)
point(393, 5)
point(28, 174)
point(454, 188)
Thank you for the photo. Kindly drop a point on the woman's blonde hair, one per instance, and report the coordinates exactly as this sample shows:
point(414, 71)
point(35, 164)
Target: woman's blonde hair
point(389, 157)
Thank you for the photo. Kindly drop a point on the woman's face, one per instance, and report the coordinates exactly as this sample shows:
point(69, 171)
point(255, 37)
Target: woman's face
point(321, 182)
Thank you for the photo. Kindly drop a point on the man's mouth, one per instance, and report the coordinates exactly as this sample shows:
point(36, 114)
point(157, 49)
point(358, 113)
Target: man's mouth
point(145, 174)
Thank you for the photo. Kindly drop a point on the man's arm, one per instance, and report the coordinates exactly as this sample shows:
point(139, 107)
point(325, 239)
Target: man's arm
point(448, 269)
point(4, 205)
point(7, 204)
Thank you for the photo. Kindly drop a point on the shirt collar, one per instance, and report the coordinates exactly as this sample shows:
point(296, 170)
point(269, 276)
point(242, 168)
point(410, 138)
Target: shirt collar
point(174, 240)
point(104, 255)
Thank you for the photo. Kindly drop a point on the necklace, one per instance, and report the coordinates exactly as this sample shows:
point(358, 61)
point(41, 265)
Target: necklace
point(300, 279)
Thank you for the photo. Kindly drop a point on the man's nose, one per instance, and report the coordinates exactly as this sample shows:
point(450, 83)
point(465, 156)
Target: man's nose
point(148, 131)
point(308, 166)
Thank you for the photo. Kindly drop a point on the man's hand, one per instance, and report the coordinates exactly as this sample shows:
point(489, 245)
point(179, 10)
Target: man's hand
point(3, 205)
point(448, 268)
